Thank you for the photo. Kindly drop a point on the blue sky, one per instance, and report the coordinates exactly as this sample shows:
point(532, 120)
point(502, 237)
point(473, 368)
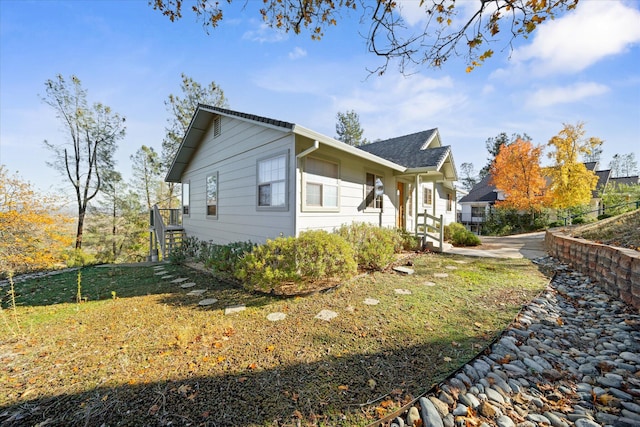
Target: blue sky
point(584, 66)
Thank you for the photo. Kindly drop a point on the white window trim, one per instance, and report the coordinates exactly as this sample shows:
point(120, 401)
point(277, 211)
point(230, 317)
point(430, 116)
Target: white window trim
point(376, 174)
point(285, 207)
point(309, 179)
point(206, 196)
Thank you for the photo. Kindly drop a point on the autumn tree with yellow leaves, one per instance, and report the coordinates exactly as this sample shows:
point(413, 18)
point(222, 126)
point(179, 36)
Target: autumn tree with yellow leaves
point(34, 234)
point(571, 183)
point(516, 170)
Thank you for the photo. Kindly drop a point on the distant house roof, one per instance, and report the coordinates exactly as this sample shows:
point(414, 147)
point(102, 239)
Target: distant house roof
point(625, 180)
point(591, 166)
point(420, 150)
point(603, 179)
point(483, 191)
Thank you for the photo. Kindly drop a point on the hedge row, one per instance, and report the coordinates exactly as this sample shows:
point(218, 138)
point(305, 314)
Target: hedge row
point(297, 265)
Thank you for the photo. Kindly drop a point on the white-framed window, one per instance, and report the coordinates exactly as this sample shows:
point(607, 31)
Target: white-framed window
point(212, 195)
point(272, 182)
point(186, 198)
point(322, 184)
point(372, 200)
point(427, 196)
point(478, 211)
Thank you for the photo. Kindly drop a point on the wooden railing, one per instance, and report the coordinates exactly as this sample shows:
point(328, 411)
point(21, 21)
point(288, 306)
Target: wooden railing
point(430, 227)
point(167, 226)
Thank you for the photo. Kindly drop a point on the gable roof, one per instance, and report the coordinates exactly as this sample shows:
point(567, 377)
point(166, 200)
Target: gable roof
point(204, 114)
point(417, 151)
point(483, 191)
point(603, 179)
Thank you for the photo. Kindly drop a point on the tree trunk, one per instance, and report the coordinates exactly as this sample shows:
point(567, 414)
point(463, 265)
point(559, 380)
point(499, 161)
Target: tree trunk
point(113, 232)
point(80, 228)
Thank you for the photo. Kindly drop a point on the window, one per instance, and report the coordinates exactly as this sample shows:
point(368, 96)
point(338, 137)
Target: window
point(272, 182)
point(372, 200)
point(449, 202)
point(185, 198)
point(212, 195)
point(216, 127)
point(427, 197)
point(321, 183)
point(477, 211)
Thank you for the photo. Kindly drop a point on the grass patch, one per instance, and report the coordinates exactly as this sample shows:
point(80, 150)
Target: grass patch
point(152, 356)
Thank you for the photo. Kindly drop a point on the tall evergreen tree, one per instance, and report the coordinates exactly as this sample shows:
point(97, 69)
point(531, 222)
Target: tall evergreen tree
point(348, 129)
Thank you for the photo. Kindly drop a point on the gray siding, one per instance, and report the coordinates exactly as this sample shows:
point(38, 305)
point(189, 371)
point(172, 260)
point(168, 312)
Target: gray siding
point(233, 155)
point(352, 194)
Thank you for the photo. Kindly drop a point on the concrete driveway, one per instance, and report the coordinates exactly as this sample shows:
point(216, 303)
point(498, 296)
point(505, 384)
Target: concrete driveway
point(530, 245)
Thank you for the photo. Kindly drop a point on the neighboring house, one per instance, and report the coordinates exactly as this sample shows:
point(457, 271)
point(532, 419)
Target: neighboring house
point(251, 178)
point(477, 205)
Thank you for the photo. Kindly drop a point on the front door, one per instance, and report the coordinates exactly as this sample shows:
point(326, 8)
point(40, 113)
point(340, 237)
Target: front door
point(401, 220)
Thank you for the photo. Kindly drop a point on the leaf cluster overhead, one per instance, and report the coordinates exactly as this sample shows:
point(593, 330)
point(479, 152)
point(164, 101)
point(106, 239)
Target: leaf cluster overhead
point(446, 30)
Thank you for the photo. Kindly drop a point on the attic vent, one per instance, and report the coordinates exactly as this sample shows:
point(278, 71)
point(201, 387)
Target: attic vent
point(216, 126)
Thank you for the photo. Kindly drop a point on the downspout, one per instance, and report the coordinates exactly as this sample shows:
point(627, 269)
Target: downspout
point(299, 156)
point(309, 150)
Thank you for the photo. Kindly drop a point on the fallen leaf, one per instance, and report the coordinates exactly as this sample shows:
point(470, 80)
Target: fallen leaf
point(184, 389)
point(270, 348)
point(252, 366)
point(387, 403)
point(447, 359)
point(153, 410)
point(455, 344)
point(343, 387)
point(372, 383)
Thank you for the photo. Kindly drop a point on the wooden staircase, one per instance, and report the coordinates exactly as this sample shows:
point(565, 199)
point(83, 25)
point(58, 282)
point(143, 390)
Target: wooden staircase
point(166, 230)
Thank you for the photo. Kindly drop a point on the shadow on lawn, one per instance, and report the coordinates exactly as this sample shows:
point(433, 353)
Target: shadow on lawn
point(105, 283)
point(335, 391)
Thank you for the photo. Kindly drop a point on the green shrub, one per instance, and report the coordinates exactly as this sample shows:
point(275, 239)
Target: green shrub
point(223, 259)
point(406, 241)
point(460, 236)
point(289, 265)
point(375, 247)
point(79, 258)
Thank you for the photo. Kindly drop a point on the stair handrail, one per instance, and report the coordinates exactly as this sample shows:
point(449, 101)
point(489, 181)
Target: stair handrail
point(159, 227)
point(440, 228)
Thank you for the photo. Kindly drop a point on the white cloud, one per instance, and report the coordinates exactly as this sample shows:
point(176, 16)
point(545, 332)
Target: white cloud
point(297, 52)
point(397, 105)
point(263, 33)
point(564, 95)
point(593, 31)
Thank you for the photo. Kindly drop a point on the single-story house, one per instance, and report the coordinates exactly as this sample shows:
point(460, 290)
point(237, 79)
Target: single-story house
point(251, 178)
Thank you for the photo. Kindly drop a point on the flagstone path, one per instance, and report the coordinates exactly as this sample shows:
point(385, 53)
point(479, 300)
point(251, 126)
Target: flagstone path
point(326, 315)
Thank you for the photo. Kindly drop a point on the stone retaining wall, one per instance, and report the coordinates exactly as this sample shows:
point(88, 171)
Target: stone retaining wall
point(616, 269)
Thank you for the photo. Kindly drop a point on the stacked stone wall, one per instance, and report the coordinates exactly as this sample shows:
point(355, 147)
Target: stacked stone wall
point(616, 269)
